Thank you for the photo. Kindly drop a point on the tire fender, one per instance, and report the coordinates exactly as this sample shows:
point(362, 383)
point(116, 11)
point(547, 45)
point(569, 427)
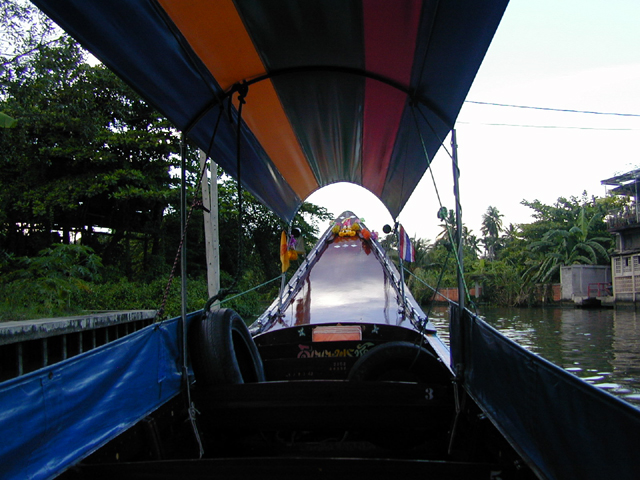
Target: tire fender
point(223, 351)
point(394, 361)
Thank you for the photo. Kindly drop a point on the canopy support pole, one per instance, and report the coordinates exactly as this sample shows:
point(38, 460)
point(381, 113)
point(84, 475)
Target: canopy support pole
point(183, 283)
point(401, 265)
point(183, 225)
point(283, 280)
point(456, 193)
point(457, 316)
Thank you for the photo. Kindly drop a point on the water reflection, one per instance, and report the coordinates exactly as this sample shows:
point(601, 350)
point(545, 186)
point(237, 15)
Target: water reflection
point(600, 346)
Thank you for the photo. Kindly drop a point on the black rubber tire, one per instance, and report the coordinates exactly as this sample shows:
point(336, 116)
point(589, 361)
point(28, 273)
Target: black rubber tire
point(223, 351)
point(394, 361)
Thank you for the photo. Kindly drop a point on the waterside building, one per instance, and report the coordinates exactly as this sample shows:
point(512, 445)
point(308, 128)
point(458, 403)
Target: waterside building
point(625, 225)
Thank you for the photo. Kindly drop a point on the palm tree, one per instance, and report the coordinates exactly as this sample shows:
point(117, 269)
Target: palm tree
point(491, 229)
point(510, 233)
point(448, 225)
point(471, 242)
point(421, 247)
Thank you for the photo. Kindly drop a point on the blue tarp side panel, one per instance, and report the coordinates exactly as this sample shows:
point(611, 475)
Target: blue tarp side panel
point(566, 427)
point(53, 417)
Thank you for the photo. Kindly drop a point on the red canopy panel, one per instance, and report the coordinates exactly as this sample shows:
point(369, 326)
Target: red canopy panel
point(390, 37)
point(362, 91)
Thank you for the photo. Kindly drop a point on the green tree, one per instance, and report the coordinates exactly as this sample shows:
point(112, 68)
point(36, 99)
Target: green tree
point(259, 234)
point(567, 246)
point(436, 265)
point(89, 161)
point(564, 213)
point(24, 30)
point(53, 277)
point(87, 156)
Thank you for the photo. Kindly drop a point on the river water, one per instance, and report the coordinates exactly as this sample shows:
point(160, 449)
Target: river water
point(601, 346)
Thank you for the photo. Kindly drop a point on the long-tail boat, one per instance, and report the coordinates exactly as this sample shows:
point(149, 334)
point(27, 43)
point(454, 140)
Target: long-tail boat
point(344, 374)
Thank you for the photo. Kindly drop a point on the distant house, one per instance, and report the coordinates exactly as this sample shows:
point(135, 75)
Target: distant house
point(625, 225)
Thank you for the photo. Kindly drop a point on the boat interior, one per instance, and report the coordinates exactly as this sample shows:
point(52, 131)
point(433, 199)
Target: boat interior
point(342, 369)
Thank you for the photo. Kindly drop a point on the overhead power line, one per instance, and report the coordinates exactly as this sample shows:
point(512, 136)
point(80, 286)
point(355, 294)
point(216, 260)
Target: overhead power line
point(554, 109)
point(547, 126)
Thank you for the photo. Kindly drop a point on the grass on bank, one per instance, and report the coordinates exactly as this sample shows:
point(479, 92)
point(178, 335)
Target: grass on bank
point(20, 300)
point(66, 280)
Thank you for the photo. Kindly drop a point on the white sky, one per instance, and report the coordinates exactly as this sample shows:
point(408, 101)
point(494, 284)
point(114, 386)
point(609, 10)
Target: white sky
point(563, 54)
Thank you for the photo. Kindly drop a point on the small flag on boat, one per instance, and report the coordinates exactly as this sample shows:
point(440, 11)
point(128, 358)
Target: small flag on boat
point(284, 252)
point(407, 253)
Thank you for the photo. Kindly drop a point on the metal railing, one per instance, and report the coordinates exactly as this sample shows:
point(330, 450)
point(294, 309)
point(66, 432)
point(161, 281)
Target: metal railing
point(29, 345)
point(596, 290)
point(623, 218)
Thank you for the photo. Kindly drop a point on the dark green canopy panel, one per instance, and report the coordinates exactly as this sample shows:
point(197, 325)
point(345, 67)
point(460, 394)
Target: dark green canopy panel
point(338, 90)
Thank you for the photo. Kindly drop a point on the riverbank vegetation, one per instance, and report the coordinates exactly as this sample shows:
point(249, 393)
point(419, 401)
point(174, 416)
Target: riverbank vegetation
point(89, 202)
point(516, 264)
point(89, 197)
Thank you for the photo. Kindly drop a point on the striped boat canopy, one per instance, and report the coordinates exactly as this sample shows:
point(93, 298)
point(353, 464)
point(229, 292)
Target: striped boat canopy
point(361, 91)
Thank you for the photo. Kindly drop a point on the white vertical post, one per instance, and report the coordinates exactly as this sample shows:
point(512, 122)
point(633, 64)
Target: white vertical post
point(212, 240)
